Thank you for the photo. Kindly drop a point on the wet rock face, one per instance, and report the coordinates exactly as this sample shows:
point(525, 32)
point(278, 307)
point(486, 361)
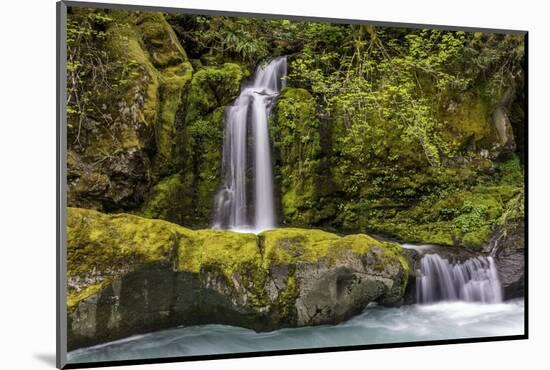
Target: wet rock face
point(158, 298)
point(413, 259)
point(338, 294)
point(508, 249)
point(120, 183)
point(147, 275)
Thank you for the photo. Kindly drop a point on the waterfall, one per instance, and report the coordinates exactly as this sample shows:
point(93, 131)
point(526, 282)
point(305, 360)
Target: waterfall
point(246, 124)
point(474, 280)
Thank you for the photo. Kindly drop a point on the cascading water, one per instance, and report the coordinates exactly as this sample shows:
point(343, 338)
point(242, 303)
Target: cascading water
point(249, 114)
point(474, 280)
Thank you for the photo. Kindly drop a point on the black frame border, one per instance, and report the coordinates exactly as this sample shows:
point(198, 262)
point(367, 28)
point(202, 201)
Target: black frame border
point(61, 193)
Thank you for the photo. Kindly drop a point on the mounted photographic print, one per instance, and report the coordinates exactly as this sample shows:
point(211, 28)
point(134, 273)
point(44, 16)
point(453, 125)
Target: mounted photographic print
point(241, 185)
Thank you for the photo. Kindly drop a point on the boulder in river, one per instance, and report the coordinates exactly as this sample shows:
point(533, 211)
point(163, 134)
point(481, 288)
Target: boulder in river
point(129, 275)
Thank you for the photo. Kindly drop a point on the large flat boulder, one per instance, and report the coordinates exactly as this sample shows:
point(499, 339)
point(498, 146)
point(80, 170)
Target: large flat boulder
point(129, 275)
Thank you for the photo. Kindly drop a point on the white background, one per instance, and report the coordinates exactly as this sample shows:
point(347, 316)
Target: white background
point(27, 181)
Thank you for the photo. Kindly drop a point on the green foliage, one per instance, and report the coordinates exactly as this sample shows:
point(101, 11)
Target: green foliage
point(214, 87)
point(102, 65)
point(511, 171)
point(405, 107)
point(379, 129)
point(219, 39)
point(203, 152)
point(87, 67)
point(457, 215)
point(374, 92)
point(216, 40)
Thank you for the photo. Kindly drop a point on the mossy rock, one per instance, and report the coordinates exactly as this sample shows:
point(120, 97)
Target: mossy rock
point(212, 90)
point(292, 245)
point(129, 275)
point(468, 124)
point(103, 247)
point(128, 139)
point(460, 217)
point(160, 40)
point(296, 141)
point(214, 87)
point(175, 72)
point(167, 200)
point(225, 249)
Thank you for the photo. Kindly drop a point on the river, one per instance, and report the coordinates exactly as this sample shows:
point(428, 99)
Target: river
point(417, 322)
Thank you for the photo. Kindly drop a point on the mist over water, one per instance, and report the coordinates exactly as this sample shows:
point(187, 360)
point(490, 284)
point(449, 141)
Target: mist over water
point(445, 320)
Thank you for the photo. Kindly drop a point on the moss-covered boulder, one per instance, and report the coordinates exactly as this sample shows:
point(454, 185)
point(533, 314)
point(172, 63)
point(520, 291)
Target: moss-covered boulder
point(129, 275)
point(321, 278)
point(128, 78)
point(102, 248)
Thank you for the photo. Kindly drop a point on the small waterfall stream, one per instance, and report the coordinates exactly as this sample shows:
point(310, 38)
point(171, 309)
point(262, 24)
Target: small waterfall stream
point(246, 124)
point(474, 280)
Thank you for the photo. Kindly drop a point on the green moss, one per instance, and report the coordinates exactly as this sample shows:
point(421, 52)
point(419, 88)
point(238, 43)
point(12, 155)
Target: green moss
point(203, 152)
point(511, 172)
point(226, 249)
point(296, 140)
point(291, 246)
point(173, 88)
point(168, 64)
point(214, 87)
point(465, 217)
point(79, 295)
point(160, 40)
point(124, 44)
point(104, 247)
point(136, 97)
point(286, 300)
point(167, 200)
point(159, 77)
point(467, 121)
point(235, 254)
